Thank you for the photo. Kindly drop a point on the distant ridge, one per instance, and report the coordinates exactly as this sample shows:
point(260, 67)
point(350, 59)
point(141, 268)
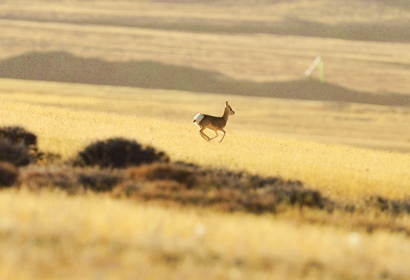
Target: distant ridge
point(387, 31)
point(64, 67)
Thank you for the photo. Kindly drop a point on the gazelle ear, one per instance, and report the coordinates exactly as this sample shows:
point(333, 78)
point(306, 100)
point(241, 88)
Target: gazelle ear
point(226, 103)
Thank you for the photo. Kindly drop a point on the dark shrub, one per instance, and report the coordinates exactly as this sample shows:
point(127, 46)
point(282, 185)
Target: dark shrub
point(15, 153)
point(17, 134)
point(48, 158)
point(70, 179)
point(20, 136)
point(385, 205)
point(118, 153)
point(8, 174)
point(127, 189)
point(100, 180)
point(163, 171)
point(298, 196)
point(216, 188)
point(63, 178)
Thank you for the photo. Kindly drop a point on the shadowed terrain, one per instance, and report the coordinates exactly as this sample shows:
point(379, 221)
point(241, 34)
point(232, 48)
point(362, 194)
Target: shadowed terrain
point(64, 67)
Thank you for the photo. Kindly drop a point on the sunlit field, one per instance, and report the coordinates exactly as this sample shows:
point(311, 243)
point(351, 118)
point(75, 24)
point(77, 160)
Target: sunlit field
point(311, 181)
point(51, 236)
point(339, 170)
point(115, 239)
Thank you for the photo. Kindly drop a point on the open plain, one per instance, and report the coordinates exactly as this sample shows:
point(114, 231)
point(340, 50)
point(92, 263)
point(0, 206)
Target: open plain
point(74, 72)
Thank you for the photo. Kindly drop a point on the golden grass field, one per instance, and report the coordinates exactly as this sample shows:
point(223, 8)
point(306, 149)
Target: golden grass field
point(118, 239)
point(347, 151)
point(339, 170)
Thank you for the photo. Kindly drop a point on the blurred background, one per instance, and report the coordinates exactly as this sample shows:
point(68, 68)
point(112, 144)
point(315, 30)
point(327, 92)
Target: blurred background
point(349, 59)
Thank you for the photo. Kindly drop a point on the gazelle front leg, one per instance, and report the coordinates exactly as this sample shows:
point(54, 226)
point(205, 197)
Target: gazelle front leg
point(216, 135)
point(223, 136)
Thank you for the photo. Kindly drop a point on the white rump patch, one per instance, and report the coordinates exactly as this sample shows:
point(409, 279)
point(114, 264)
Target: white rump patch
point(198, 118)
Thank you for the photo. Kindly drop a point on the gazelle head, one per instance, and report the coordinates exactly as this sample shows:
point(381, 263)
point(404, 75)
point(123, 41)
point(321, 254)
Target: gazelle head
point(229, 108)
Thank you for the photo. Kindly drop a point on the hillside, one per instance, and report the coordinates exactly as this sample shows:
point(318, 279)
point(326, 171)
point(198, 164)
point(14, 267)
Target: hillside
point(229, 47)
point(64, 67)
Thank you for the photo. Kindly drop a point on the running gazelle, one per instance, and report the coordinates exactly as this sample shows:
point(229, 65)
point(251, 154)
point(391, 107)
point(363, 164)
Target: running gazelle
point(213, 123)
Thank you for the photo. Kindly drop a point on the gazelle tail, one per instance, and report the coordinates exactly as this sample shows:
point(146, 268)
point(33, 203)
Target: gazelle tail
point(198, 118)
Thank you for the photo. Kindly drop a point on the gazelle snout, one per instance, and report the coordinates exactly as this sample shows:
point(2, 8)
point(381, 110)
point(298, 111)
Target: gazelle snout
point(229, 109)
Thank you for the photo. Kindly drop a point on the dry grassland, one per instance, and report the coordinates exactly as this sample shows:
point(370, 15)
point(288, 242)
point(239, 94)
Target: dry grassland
point(115, 240)
point(354, 155)
point(157, 120)
point(111, 239)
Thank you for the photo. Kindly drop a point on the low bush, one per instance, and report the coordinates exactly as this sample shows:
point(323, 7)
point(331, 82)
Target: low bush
point(70, 179)
point(217, 188)
point(99, 180)
point(62, 178)
point(22, 138)
point(48, 158)
point(381, 204)
point(118, 153)
point(163, 172)
point(17, 134)
point(15, 153)
point(8, 174)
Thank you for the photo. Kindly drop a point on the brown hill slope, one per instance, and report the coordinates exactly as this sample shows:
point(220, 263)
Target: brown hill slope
point(64, 67)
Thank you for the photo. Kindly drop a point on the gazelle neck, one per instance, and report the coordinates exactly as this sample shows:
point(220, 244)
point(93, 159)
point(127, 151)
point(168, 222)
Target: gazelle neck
point(226, 114)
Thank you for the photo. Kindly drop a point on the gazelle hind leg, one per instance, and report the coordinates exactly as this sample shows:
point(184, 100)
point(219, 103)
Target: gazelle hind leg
point(205, 136)
point(202, 133)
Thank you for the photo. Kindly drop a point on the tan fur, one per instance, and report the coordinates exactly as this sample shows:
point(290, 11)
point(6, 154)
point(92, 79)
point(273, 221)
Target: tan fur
point(215, 123)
